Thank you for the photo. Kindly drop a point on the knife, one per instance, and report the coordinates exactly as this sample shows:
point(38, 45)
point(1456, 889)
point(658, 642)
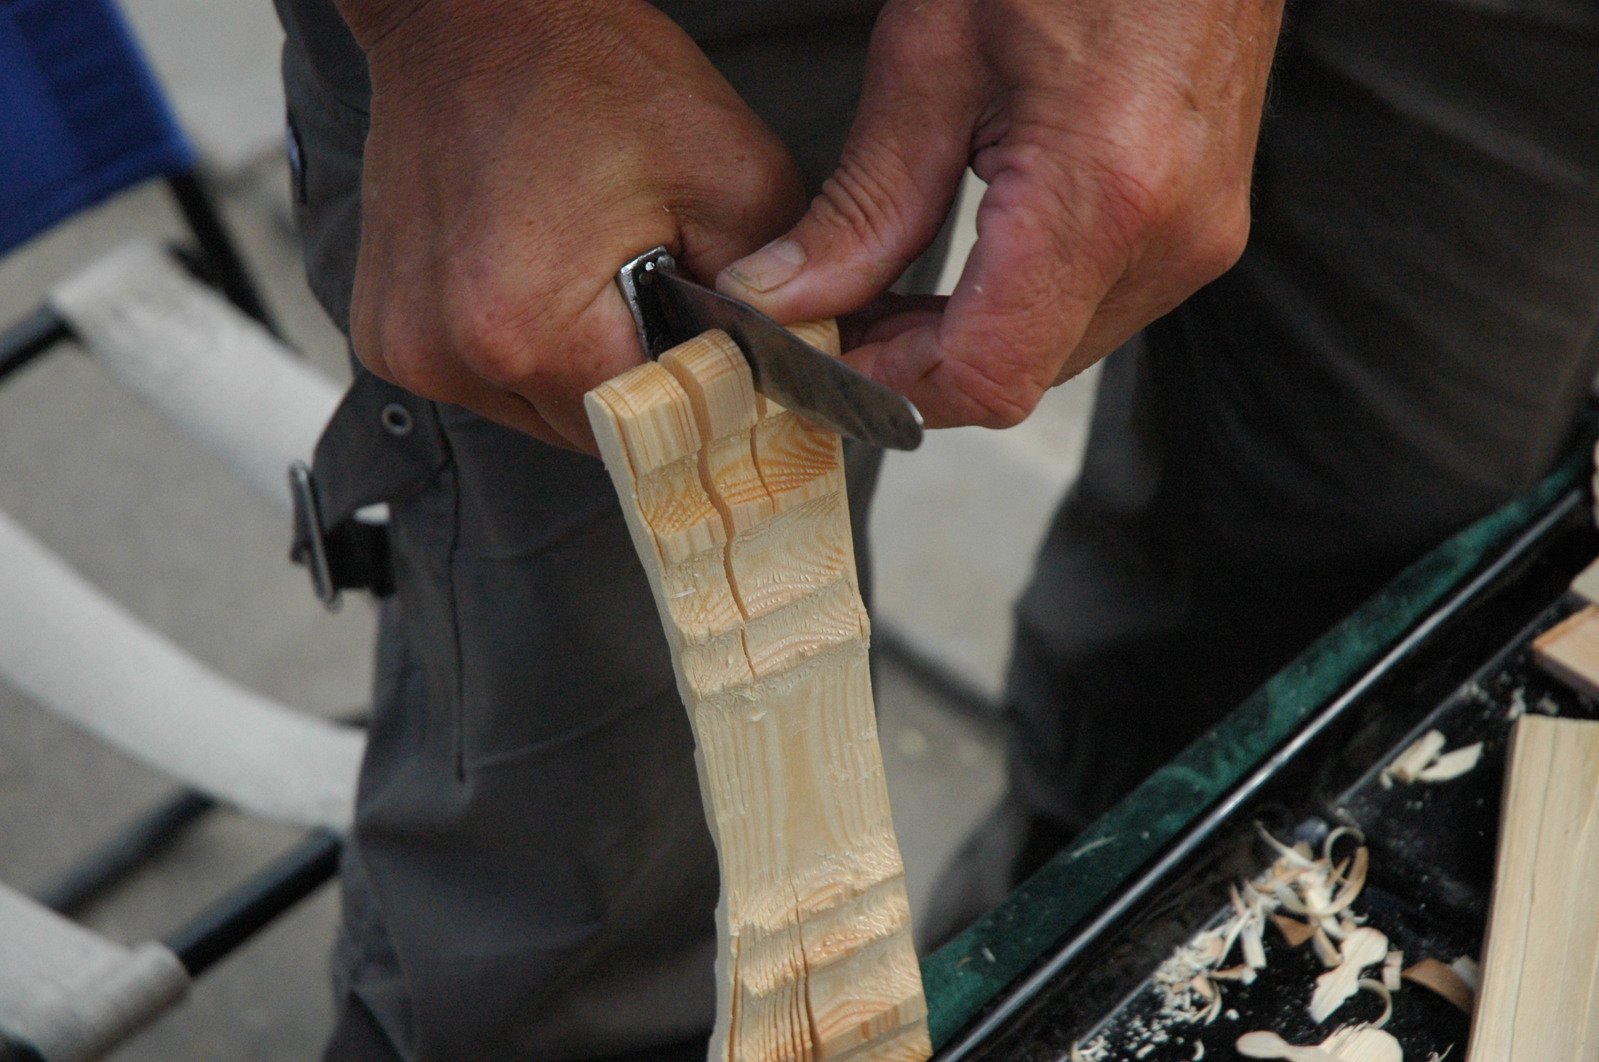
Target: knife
point(669, 309)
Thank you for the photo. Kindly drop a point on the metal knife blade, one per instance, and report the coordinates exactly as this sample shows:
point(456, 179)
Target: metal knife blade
point(668, 309)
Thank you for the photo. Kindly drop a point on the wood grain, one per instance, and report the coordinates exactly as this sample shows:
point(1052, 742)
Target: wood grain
point(737, 509)
point(1570, 650)
point(1540, 980)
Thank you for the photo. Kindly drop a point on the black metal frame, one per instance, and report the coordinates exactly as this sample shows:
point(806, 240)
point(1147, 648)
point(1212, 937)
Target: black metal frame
point(258, 902)
point(216, 260)
point(314, 860)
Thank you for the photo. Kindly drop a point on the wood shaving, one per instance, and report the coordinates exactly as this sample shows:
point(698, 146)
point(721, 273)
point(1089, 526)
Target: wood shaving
point(1093, 1051)
point(1318, 890)
point(1352, 1043)
point(1467, 970)
point(1382, 992)
point(1325, 949)
point(1413, 759)
point(1452, 764)
point(1293, 930)
point(1426, 761)
point(1363, 1043)
point(1445, 981)
point(1391, 968)
point(1364, 947)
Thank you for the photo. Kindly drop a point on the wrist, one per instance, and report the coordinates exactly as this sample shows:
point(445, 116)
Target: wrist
point(424, 46)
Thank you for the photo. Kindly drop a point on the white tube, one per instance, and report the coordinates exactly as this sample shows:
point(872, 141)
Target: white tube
point(215, 373)
point(80, 654)
point(72, 994)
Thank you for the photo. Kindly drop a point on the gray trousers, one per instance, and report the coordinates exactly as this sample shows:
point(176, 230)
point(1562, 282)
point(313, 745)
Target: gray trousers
point(1405, 345)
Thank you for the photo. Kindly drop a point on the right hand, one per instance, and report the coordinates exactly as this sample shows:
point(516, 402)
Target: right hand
point(517, 157)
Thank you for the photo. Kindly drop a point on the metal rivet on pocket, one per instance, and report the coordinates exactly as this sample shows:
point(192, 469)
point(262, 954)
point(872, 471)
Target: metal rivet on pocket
point(396, 419)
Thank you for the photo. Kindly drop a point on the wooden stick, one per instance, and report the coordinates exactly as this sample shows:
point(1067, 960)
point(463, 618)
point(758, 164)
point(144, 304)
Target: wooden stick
point(1540, 983)
point(738, 512)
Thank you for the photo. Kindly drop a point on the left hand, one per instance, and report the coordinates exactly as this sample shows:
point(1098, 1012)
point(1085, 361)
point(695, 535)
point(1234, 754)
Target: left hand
point(1117, 139)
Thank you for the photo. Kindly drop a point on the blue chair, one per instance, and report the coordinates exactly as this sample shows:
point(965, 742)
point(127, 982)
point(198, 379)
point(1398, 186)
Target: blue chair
point(82, 119)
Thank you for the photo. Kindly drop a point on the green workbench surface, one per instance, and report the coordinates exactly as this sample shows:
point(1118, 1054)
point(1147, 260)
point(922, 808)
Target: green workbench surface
point(973, 968)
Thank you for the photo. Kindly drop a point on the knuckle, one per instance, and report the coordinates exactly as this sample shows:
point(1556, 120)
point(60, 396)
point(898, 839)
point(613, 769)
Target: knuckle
point(492, 342)
point(414, 368)
point(1136, 199)
point(1220, 242)
point(1000, 393)
point(759, 181)
point(860, 198)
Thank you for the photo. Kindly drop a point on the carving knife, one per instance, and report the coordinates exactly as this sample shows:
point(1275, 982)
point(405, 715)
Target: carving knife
point(669, 309)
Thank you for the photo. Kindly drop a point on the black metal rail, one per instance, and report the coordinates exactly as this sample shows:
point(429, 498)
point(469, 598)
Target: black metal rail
point(130, 848)
point(1188, 844)
point(254, 905)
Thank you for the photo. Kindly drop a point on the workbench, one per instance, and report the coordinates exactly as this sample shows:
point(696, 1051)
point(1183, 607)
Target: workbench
point(1067, 958)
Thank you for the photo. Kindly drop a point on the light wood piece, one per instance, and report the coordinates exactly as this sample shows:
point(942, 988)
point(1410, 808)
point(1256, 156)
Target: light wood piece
point(1540, 978)
point(1570, 650)
point(1586, 584)
point(737, 509)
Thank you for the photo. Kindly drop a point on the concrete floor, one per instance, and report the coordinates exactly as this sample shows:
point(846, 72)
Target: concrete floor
point(165, 531)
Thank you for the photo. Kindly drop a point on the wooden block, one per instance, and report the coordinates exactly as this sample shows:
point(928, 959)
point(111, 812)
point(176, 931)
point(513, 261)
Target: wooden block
point(738, 512)
point(1570, 650)
point(1540, 977)
point(1586, 584)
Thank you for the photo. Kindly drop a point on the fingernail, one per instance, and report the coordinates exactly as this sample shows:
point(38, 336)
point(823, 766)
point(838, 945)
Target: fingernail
point(772, 266)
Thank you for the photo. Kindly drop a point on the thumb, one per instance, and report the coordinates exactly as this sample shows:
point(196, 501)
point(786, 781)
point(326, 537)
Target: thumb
point(895, 182)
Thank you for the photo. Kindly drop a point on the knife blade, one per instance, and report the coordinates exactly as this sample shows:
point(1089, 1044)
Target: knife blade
point(669, 309)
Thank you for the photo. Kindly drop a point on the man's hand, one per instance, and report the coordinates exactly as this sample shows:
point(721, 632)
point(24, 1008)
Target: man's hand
point(518, 155)
point(1117, 139)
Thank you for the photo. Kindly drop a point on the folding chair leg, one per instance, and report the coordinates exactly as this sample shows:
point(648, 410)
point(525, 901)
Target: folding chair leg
point(227, 268)
point(136, 845)
point(30, 337)
point(254, 905)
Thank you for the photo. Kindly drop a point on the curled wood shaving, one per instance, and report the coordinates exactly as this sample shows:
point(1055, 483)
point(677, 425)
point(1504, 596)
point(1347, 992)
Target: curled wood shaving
point(1363, 1043)
point(1265, 1044)
point(1254, 946)
point(1325, 950)
point(1391, 970)
point(1362, 948)
point(1426, 761)
point(1440, 978)
point(1413, 759)
point(1452, 764)
point(1242, 973)
point(1380, 990)
point(1339, 834)
point(1298, 883)
point(1351, 886)
point(1352, 1043)
point(1293, 930)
